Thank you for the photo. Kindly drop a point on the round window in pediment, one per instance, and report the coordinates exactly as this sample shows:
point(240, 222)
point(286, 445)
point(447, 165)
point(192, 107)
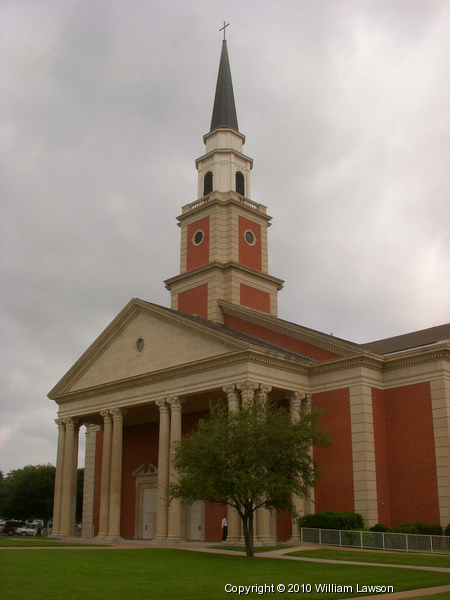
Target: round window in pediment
point(140, 345)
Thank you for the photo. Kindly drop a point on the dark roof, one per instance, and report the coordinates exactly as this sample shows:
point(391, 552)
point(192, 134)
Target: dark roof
point(424, 337)
point(224, 110)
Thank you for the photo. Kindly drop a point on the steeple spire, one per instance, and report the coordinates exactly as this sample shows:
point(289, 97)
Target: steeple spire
point(224, 111)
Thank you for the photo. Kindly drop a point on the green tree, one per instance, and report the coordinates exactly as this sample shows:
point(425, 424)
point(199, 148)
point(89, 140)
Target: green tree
point(27, 493)
point(256, 457)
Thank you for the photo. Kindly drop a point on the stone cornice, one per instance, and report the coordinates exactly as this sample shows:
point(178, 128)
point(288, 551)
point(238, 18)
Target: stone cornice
point(211, 153)
point(417, 355)
point(315, 338)
point(269, 359)
point(224, 198)
point(211, 266)
point(404, 359)
point(340, 364)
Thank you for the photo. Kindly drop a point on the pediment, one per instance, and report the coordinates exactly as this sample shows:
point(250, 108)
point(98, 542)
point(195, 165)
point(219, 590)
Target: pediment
point(147, 469)
point(143, 339)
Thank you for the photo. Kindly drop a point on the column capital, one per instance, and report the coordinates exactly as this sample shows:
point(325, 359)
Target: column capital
point(60, 423)
point(176, 402)
point(72, 422)
point(230, 389)
point(163, 405)
point(264, 391)
point(306, 402)
point(247, 385)
point(247, 388)
point(118, 413)
point(232, 396)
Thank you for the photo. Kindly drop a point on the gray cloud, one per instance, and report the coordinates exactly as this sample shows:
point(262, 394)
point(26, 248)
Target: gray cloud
point(345, 106)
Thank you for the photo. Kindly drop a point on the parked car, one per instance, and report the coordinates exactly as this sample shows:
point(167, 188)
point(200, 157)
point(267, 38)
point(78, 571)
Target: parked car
point(2, 524)
point(26, 530)
point(11, 526)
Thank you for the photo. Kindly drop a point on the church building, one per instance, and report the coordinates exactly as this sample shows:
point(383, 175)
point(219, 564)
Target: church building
point(149, 377)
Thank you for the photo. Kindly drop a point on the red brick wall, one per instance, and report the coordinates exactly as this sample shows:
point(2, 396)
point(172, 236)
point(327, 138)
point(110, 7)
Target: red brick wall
point(280, 339)
point(194, 301)
point(97, 480)
point(381, 457)
point(335, 488)
point(250, 256)
point(214, 513)
point(284, 526)
point(197, 255)
point(254, 298)
point(140, 444)
point(412, 462)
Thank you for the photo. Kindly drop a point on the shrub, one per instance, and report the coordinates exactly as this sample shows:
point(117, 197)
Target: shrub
point(333, 520)
point(447, 530)
point(379, 527)
point(420, 528)
point(425, 529)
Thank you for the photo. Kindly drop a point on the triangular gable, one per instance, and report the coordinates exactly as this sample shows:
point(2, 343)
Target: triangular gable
point(169, 340)
point(317, 345)
point(147, 469)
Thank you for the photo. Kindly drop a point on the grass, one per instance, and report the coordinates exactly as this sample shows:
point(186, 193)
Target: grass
point(256, 549)
point(29, 542)
point(166, 574)
point(388, 558)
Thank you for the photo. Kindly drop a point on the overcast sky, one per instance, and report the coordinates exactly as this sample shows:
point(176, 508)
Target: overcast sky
point(345, 106)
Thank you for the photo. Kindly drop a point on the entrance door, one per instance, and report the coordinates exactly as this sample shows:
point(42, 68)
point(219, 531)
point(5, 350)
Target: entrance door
point(149, 501)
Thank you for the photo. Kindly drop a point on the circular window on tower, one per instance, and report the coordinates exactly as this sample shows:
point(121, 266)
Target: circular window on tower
point(198, 237)
point(250, 237)
point(139, 346)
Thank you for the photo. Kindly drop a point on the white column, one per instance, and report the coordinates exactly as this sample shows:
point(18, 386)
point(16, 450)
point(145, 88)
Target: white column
point(89, 481)
point(234, 521)
point(174, 518)
point(295, 404)
point(163, 469)
point(106, 474)
point(69, 488)
point(263, 515)
point(115, 494)
point(59, 477)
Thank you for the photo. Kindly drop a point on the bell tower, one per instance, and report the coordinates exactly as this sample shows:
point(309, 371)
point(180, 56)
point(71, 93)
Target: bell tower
point(224, 252)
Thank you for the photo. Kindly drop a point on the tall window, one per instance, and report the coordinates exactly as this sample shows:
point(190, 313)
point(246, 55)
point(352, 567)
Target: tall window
point(208, 183)
point(240, 183)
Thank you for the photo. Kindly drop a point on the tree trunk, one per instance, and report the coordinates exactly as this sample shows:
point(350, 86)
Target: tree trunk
point(247, 525)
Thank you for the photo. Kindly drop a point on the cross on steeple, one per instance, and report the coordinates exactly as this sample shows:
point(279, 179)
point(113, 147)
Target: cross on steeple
point(223, 29)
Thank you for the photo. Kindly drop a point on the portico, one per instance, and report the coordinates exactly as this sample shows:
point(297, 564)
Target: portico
point(167, 417)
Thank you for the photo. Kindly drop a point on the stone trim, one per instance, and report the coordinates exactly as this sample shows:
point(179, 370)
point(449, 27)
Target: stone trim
point(288, 364)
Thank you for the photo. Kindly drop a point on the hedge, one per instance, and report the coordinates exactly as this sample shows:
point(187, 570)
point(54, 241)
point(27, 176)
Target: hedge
point(333, 520)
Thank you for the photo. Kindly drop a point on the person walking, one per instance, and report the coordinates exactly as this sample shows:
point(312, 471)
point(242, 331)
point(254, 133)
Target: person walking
point(224, 529)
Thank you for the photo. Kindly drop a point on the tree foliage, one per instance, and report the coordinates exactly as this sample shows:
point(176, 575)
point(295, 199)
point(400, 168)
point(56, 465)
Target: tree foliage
point(27, 493)
point(256, 457)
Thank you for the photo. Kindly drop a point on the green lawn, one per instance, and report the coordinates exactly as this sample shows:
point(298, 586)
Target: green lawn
point(149, 573)
point(389, 558)
point(29, 542)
